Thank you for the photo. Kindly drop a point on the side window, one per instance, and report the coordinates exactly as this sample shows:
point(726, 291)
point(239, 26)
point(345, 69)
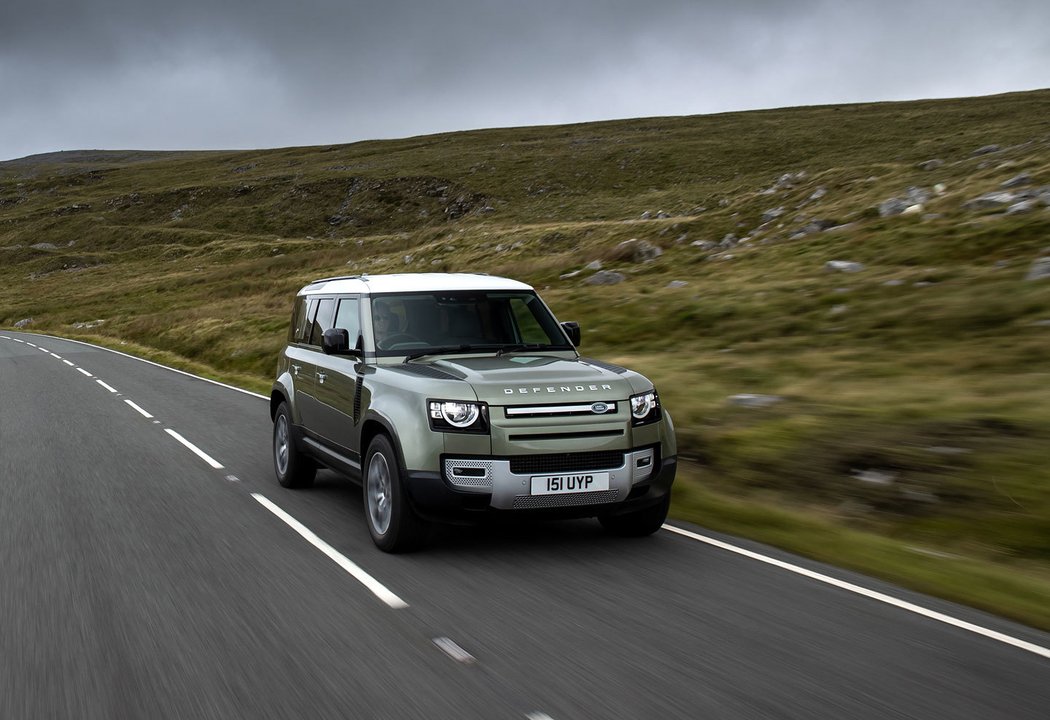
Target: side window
point(323, 319)
point(348, 318)
point(298, 328)
point(302, 333)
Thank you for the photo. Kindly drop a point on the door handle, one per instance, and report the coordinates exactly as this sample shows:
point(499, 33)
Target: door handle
point(296, 369)
point(320, 377)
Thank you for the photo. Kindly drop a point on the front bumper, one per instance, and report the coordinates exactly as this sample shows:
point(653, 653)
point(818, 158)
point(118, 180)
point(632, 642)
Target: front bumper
point(634, 485)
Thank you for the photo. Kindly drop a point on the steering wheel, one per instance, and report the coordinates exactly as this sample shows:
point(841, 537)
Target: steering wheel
point(396, 339)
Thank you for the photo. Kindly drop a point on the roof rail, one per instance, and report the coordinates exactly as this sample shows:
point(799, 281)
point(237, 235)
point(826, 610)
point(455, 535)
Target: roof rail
point(339, 277)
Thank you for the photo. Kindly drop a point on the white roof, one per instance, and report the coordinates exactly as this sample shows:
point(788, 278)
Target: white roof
point(411, 282)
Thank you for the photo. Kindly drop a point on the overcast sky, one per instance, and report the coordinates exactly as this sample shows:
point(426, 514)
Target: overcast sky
point(210, 74)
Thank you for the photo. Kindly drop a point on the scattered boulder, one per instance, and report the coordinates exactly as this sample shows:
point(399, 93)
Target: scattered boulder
point(44, 246)
point(771, 215)
point(677, 284)
point(893, 206)
point(646, 215)
point(704, 244)
point(893, 282)
point(917, 195)
point(728, 241)
point(838, 309)
point(875, 477)
point(1040, 270)
point(605, 277)
point(750, 400)
point(986, 150)
point(1025, 206)
point(991, 201)
point(662, 215)
point(931, 164)
point(636, 251)
point(1017, 181)
point(843, 266)
point(24, 322)
point(593, 265)
point(818, 193)
point(566, 276)
point(913, 209)
point(87, 325)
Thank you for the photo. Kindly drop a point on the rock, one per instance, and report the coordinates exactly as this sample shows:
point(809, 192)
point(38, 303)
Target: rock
point(818, 225)
point(88, 325)
point(677, 284)
point(875, 477)
point(637, 250)
point(593, 265)
point(771, 215)
point(918, 195)
point(566, 276)
point(931, 164)
point(704, 244)
point(893, 282)
point(662, 215)
point(838, 309)
point(407, 258)
point(750, 400)
point(913, 209)
point(1025, 206)
point(818, 193)
point(23, 322)
point(646, 215)
point(991, 201)
point(986, 150)
point(681, 238)
point(605, 277)
point(1042, 323)
point(487, 209)
point(1017, 181)
point(843, 266)
point(891, 207)
point(1040, 270)
point(44, 246)
point(728, 241)
point(923, 284)
point(940, 188)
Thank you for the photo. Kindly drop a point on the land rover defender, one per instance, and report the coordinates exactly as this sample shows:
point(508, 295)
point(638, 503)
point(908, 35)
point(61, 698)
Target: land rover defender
point(455, 396)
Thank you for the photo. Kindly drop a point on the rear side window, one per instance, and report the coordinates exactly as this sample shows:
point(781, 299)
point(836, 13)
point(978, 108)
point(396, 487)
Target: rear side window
point(322, 320)
point(298, 329)
point(348, 318)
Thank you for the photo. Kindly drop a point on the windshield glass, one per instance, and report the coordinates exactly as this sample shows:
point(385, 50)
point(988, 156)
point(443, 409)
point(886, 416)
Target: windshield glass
point(452, 321)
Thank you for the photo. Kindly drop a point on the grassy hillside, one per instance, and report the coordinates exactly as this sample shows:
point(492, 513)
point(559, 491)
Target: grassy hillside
point(908, 424)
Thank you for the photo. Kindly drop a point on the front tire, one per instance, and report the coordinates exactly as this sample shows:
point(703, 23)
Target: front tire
point(639, 523)
point(292, 468)
point(392, 523)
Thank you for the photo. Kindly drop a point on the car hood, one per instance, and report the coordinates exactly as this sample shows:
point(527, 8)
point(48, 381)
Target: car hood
point(534, 380)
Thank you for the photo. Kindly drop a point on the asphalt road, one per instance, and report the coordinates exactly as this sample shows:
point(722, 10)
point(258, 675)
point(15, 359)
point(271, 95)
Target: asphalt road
point(137, 580)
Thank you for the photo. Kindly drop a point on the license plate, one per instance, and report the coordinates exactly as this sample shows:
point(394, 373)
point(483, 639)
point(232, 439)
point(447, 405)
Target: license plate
point(569, 483)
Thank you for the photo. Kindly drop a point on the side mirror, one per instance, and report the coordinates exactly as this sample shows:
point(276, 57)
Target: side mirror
point(336, 341)
point(572, 329)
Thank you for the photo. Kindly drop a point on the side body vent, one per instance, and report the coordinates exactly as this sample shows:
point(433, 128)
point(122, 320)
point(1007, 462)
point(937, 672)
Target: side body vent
point(358, 386)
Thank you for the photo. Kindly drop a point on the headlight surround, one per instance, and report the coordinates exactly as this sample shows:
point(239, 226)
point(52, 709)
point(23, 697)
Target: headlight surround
point(458, 416)
point(645, 408)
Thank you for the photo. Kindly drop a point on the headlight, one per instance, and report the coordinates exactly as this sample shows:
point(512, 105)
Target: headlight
point(645, 408)
point(457, 416)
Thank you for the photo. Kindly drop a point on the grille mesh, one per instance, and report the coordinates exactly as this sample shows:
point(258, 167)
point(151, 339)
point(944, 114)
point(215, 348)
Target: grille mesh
point(484, 481)
point(526, 502)
point(566, 462)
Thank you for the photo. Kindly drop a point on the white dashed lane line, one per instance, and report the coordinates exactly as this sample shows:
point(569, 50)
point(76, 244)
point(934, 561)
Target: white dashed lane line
point(85, 372)
point(108, 387)
point(194, 449)
point(138, 409)
point(377, 588)
point(30, 344)
point(451, 648)
point(56, 357)
point(68, 363)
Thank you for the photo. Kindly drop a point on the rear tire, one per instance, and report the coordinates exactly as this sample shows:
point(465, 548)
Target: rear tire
point(293, 469)
point(639, 523)
point(392, 523)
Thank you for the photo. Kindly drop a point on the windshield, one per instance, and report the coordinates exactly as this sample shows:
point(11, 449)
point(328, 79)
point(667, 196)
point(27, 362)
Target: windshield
point(417, 324)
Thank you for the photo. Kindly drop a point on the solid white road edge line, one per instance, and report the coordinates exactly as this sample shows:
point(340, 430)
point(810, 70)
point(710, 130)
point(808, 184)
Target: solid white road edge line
point(880, 597)
point(138, 409)
point(157, 364)
point(194, 449)
point(108, 387)
point(82, 370)
point(377, 588)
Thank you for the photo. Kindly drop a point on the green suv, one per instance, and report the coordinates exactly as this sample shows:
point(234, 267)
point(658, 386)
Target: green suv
point(456, 396)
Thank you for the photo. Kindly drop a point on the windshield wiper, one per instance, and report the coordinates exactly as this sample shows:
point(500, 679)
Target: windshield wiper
point(518, 347)
point(448, 350)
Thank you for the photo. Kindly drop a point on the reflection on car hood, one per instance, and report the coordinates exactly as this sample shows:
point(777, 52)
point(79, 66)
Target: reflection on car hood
point(533, 380)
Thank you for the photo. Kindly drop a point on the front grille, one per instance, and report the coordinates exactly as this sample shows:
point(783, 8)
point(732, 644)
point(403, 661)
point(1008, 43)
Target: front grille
point(565, 462)
point(528, 502)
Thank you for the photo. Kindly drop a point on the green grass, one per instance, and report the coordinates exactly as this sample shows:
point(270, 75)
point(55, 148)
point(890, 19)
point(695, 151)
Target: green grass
point(939, 381)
